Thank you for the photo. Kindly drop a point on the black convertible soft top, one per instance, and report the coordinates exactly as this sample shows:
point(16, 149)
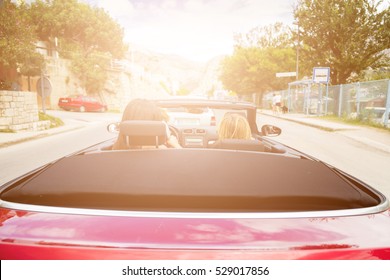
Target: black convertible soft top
point(190, 180)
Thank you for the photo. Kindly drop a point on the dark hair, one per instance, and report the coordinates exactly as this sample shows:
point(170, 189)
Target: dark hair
point(142, 109)
point(138, 109)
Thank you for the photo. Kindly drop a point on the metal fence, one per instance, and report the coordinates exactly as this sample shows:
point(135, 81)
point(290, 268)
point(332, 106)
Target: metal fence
point(368, 101)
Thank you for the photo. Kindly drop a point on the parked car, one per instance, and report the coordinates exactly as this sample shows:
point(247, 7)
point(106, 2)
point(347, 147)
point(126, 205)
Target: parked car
point(81, 103)
point(191, 116)
point(248, 199)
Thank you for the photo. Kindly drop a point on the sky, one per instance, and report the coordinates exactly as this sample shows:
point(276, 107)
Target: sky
point(195, 29)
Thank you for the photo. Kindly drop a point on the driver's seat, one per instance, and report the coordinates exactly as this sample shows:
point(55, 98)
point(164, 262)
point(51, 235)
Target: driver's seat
point(143, 133)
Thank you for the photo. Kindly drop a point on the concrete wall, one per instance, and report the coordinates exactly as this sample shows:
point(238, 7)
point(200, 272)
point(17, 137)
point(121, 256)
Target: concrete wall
point(19, 112)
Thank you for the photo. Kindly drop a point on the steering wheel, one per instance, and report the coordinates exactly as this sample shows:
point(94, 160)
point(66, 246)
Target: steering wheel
point(174, 131)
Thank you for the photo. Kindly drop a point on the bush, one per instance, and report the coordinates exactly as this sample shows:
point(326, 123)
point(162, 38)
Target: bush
point(364, 118)
point(54, 122)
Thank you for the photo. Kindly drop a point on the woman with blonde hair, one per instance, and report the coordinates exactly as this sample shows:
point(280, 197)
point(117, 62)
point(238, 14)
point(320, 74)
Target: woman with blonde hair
point(146, 110)
point(234, 126)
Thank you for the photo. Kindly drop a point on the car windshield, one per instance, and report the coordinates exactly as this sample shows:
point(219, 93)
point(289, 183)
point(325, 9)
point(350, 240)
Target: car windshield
point(198, 116)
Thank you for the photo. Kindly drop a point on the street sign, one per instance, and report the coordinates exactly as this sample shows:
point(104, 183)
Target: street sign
point(44, 87)
point(321, 75)
point(286, 74)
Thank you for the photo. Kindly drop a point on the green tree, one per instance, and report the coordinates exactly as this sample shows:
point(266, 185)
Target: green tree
point(17, 40)
point(78, 23)
point(347, 36)
point(91, 70)
point(87, 36)
point(253, 70)
point(276, 35)
point(257, 57)
point(182, 91)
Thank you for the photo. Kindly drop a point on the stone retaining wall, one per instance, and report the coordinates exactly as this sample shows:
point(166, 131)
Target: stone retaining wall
point(19, 112)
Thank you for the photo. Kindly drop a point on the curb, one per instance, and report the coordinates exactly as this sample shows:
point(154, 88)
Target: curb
point(322, 127)
point(38, 135)
point(326, 128)
point(374, 144)
point(319, 126)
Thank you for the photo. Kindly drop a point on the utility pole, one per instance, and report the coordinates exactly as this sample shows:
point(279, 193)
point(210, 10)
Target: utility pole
point(297, 62)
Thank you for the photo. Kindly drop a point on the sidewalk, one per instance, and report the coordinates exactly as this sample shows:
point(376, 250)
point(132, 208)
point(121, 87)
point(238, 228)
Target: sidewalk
point(310, 120)
point(7, 139)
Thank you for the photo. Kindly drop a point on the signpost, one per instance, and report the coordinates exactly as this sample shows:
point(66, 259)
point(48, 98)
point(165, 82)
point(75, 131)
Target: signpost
point(286, 74)
point(321, 75)
point(44, 89)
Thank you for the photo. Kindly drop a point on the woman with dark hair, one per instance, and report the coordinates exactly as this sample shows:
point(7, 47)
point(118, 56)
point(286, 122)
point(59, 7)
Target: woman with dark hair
point(142, 109)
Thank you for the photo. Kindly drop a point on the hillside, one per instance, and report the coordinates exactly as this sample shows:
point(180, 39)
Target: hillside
point(173, 73)
point(145, 74)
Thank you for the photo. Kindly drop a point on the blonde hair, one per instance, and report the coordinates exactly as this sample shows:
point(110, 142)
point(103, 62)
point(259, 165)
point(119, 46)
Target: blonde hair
point(234, 126)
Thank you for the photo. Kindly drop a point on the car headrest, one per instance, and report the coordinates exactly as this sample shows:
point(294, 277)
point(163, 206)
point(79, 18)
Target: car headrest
point(144, 133)
point(240, 144)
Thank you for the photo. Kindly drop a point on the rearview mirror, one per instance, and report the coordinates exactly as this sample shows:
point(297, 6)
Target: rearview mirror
point(270, 130)
point(113, 127)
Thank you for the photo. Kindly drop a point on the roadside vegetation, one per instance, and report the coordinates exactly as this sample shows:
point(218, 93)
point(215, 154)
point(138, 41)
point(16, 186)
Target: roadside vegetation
point(350, 37)
point(6, 130)
point(363, 119)
point(87, 36)
point(54, 121)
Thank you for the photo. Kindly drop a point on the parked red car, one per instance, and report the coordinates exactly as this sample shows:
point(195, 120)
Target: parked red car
point(81, 103)
point(250, 199)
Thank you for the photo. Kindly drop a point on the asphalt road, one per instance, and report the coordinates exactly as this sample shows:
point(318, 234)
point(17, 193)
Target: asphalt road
point(89, 129)
point(364, 160)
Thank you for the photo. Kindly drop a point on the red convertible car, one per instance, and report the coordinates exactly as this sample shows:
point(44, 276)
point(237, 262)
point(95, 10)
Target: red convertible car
point(237, 199)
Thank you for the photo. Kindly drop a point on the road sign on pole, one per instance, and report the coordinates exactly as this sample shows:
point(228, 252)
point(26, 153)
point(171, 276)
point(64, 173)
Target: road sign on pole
point(286, 74)
point(44, 86)
point(321, 75)
point(44, 89)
